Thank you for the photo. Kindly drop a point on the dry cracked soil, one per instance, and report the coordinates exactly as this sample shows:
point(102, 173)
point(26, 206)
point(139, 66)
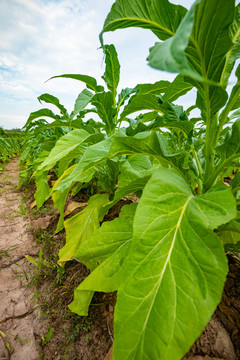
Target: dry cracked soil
point(19, 323)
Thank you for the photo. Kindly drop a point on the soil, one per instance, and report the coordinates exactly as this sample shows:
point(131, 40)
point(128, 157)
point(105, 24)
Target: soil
point(19, 316)
point(35, 322)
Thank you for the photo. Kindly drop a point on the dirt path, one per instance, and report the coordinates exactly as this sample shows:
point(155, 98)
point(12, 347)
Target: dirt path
point(19, 320)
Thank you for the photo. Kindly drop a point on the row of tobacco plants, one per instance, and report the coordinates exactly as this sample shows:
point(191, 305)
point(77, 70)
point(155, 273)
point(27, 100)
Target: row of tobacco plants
point(9, 145)
point(164, 254)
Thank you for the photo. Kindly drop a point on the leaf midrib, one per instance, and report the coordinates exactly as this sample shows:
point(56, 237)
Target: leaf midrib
point(190, 197)
point(140, 20)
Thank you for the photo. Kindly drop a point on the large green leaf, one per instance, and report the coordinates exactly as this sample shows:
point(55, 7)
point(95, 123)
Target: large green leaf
point(207, 53)
point(112, 69)
point(169, 55)
point(50, 99)
point(161, 17)
point(175, 271)
point(109, 246)
point(73, 141)
point(43, 112)
point(80, 227)
point(94, 155)
point(88, 80)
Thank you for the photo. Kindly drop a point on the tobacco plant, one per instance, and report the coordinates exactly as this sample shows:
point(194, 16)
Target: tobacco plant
point(8, 148)
point(165, 255)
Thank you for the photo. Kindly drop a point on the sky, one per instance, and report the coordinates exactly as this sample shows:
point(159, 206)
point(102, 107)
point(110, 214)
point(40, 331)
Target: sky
point(43, 38)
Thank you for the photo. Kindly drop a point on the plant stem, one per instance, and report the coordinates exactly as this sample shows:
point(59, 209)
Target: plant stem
point(200, 170)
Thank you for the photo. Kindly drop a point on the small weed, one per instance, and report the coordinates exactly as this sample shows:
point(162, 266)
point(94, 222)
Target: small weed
point(5, 253)
point(40, 263)
point(47, 338)
point(16, 337)
point(26, 276)
point(22, 210)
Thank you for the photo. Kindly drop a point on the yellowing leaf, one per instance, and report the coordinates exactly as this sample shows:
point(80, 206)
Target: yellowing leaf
point(72, 206)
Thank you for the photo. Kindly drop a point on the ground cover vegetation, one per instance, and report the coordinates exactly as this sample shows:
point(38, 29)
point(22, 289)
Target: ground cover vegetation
point(165, 253)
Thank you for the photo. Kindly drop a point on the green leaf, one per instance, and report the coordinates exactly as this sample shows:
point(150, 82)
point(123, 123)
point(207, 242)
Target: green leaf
point(43, 190)
point(177, 88)
point(80, 227)
point(59, 197)
point(88, 80)
point(230, 150)
point(105, 109)
point(109, 246)
point(234, 99)
point(69, 143)
point(133, 168)
point(235, 183)
point(233, 54)
point(112, 69)
point(93, 156)
point(50, 99)
point(157, 88)
point(175, 271)
point(142, 102)
point(43, 112)
point(207, 54)
point(124, 95)
point(169, 55)
point(155, 145)
point(82, 101)
point(135, 172)
point(216, 16)
point(230, 233)
point(161, 17)
point(159, 122)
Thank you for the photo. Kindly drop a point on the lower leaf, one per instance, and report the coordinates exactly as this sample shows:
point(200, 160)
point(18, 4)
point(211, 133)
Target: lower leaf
point(175, 271)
